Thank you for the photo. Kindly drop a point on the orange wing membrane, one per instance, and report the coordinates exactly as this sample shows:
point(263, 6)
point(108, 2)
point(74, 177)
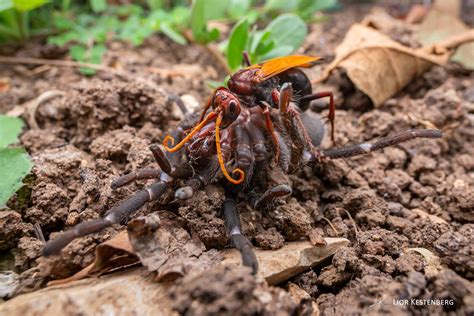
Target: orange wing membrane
point(278, 65)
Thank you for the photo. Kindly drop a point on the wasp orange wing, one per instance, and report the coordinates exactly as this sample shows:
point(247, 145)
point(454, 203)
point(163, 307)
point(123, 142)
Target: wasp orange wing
point(278, 65)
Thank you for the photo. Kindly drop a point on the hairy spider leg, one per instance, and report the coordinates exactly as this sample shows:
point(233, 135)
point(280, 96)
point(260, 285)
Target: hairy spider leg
point(136, 175)
point(294, 124)
point(232, 223)
point(271, 130)
point(367, 147)
point(115, 215)
point(269, 196)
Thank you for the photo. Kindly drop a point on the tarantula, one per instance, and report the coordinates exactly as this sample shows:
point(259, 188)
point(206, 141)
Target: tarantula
point(255, 131)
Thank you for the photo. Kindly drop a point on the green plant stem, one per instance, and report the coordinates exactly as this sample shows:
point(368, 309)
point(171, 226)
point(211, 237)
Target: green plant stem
point(23, 23)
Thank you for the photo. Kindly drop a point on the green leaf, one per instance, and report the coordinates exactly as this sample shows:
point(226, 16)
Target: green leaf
point(278, 51)
point(202, 11)
point(98, 5)
point(288, 32)
point(78, 52)
point(260, 38)
point(307, 8)
point(27, 5)
point(10, 128)
point(237, 43)
point(93, 55)
point(172, 33)
point(15, 164)
point(6, 4)
point(281, 5)
point(155, 4)
point(238, 8)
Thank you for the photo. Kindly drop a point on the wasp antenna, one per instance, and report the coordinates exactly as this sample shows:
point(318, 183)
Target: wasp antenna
point(169, 140)
point(221, 160)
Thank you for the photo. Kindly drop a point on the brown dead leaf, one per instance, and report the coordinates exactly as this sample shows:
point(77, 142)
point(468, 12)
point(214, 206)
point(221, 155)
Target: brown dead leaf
point(168, 248)
point(440, 25)
point(380, 66)
point(111, 255)
point(452, 7)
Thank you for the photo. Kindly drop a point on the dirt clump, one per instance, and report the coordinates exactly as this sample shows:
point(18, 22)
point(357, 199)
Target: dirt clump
point(225, 291)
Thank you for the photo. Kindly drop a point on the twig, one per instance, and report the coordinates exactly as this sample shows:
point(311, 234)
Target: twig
point(39, 232)
point(457, 40)
point(29, 108)
point(55, 62)
point(332, 226)
point(218, 56)
point(356, 229)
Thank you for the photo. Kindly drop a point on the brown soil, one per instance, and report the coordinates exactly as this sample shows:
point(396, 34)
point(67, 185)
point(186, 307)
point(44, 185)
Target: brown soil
point(416, 195)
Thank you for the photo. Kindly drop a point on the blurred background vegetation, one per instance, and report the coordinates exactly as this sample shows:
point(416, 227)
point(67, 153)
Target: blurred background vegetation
point(265, 29)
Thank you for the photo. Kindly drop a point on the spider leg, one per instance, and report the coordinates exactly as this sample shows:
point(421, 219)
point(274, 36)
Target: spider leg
point(115, 215)
point(364, 148)
point(161, 158)
point(173, 98)
point(270, 195)
point(243, 150)
point(294, 125)
point(332, 107)
point(136, 175)
point(240, 242)
point(257, 139)
point(285, 153)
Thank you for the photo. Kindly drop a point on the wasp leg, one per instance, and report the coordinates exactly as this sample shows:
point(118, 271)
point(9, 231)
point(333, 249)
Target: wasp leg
point(270, 195)
point(246, 57)
point(332, 107)
point(364, 148)
point(240, 242)
point(115, 215)
point(136, 175)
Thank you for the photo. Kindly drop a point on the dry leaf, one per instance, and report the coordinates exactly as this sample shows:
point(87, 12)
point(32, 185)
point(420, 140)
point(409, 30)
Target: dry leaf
point(432, 262)
point(168, 248)
point(440, 25)
point(380, 66)
point(452, 7)
point(111, 255)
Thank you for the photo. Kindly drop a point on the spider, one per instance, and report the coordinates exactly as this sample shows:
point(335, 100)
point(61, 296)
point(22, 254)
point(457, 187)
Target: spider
point(254, 133)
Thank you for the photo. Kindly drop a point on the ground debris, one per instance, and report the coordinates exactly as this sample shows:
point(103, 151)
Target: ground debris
point(280, 265)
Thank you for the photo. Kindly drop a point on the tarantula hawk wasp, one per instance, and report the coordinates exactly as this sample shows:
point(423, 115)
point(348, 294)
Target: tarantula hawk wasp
point(256, 127)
